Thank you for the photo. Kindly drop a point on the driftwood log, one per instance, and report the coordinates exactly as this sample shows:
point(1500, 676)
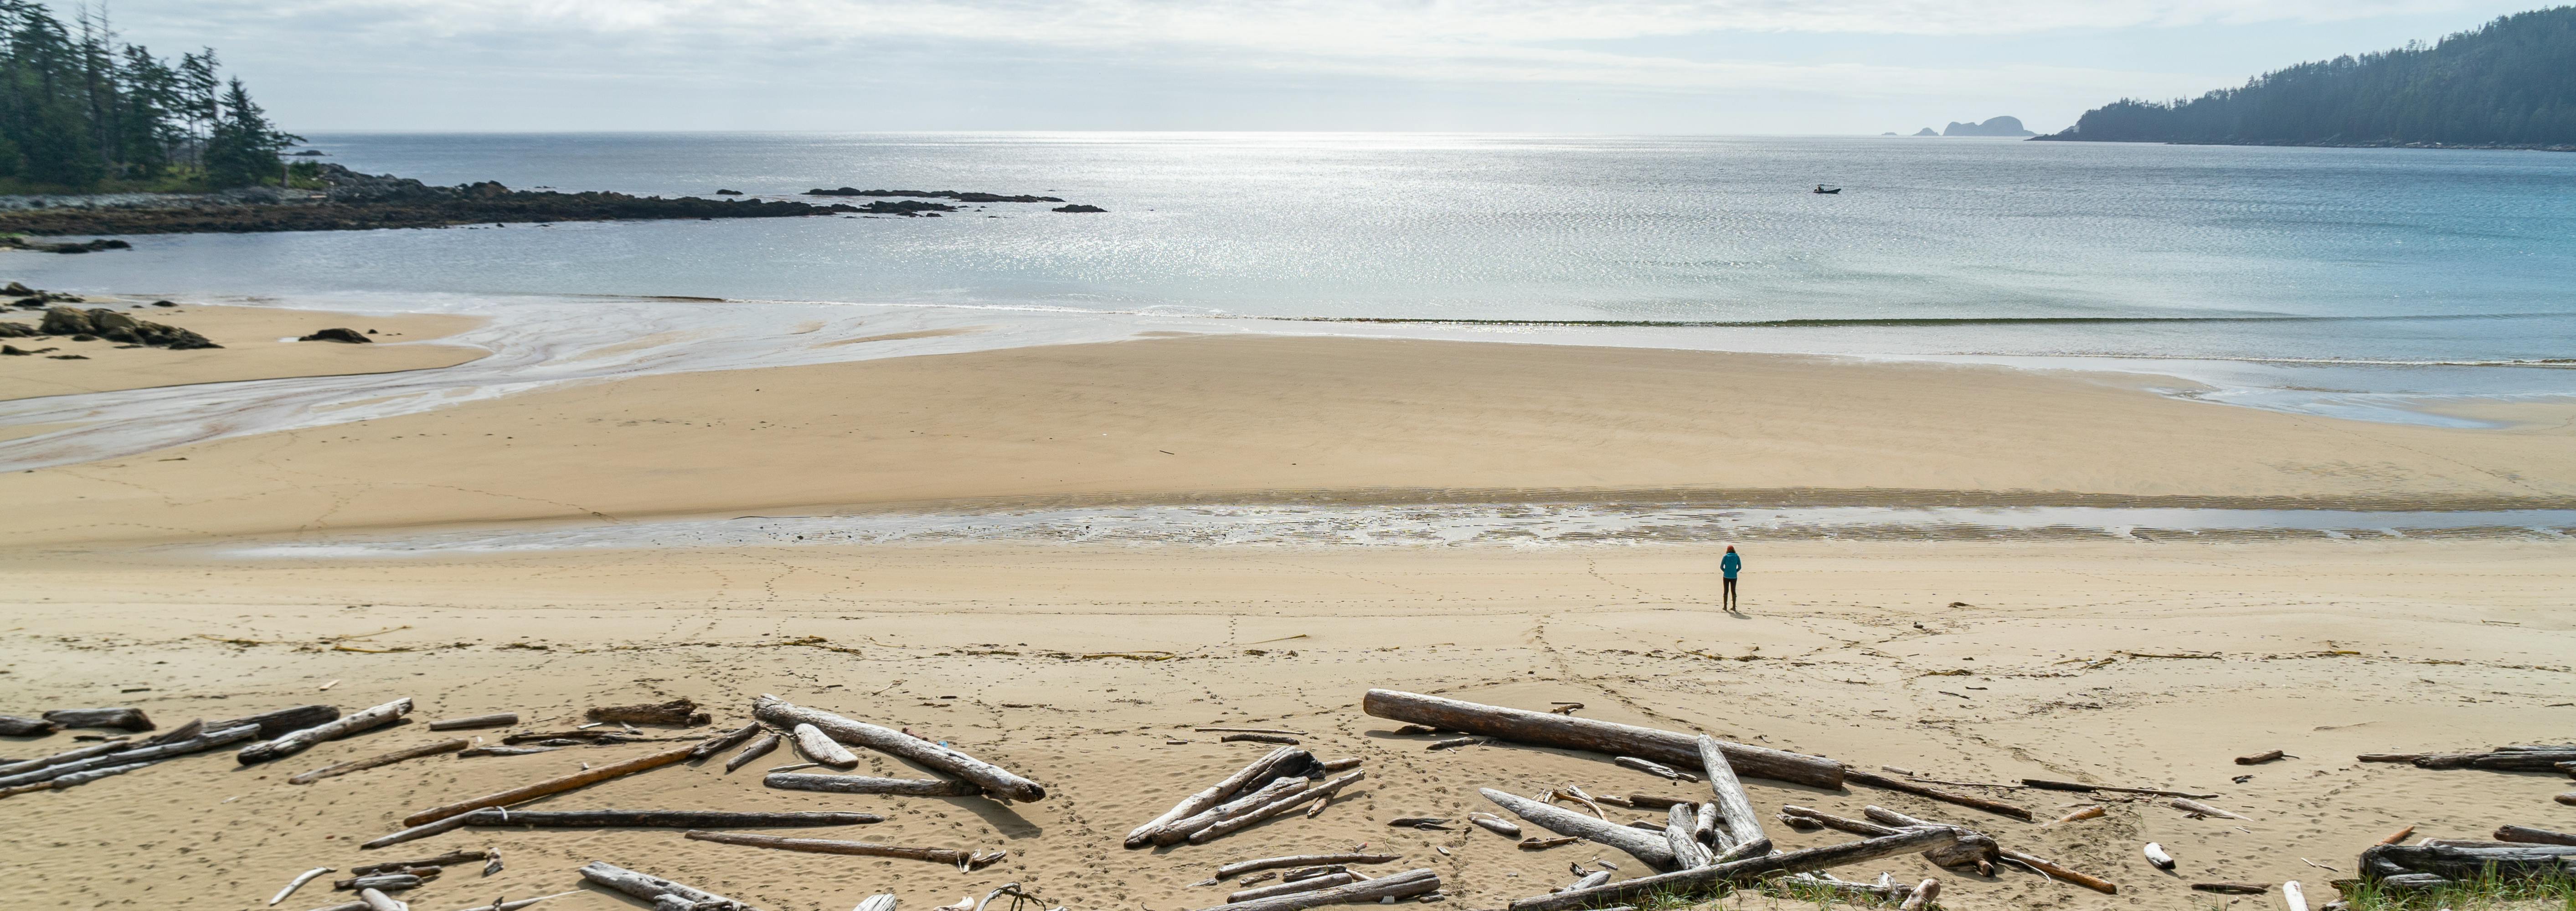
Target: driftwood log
point(1738, 872)
point(883, 901)
point(296, 883)
point(495, 720)
point(1398, 885)
point(355, 765)
point(677, 711)
point(951, 856)
point(2082, 788)
point(819, 747)
point(2524, 862)
point(293, 742)
point(1277, 763)
point(124, 718)
point(1967, 847)
point(377, 900)
point(2189, 805)
point(1308, 884)
point(14, 726)
point(1740, 825)
point(1680, 835)
point(272, 724)
point(2232, 888)
point(862, 784)
point(75, 755)
point(550, 786)
point(1241, 867)
point(664, 819)
point(388, 881)
point(726, 742)
point(997, 782)
point(424, 830)
point(1638, 843)
point(1319, 792)
point(470, 752)
point(1495, 824)
point(1258, 738)
point(1597, 736)
point(1971, 801)
point(1177, 831)
point(768, 741)
point(449, 859)
point(2260, 758)
point(653, 888)
point(2529, 835)
point(130, 756)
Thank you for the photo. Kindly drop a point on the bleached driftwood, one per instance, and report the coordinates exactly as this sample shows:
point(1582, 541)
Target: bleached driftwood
point(1400, 885)
point(726, 742)
point(652, 888)
point(296, 883)
point(996, 781)
point(1652, 767)
point(1680, 836)
point(130, 756)
point(2189, 805)
point(1263, 771)
point(551, 786)
point(1925, 893)
point(355, 765)
point(1241, 867)
point(1738, 872)
point(817, 746)
point(1639, 844)
point(1734, 806)
point(293, 742)
point(1180, 830)
point(495, 720)
point(1495, 824)
point(2156, 855)
point(1308, 884)
point(471, 752)
point(1597, 736)
point(966, 860)
point(74, 755)
point(768, 741)
point(377, 900)
point(1320, 792)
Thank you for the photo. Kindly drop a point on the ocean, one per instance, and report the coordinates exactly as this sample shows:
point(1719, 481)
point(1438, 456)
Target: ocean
point(2366, 283)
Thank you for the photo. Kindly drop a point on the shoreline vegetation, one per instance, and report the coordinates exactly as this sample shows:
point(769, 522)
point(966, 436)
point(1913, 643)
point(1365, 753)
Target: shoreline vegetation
point(2510, 84)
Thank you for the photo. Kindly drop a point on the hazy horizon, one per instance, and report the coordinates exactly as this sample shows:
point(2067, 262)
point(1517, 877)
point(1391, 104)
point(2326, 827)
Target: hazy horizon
point(1745, 67)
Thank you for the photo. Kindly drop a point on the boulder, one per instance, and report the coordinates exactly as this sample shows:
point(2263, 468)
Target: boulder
point(337, 334)
point(65, 321)
point(17, 330)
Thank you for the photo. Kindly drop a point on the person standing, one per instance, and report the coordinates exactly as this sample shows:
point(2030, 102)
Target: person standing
point(1728, 566)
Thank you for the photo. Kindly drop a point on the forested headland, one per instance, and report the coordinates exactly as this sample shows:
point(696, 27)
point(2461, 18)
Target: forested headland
point(2508, 84)
point(81, 111)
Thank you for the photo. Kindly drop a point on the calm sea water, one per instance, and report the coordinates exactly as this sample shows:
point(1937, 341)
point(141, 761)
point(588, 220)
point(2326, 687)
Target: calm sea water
point(2411, 272)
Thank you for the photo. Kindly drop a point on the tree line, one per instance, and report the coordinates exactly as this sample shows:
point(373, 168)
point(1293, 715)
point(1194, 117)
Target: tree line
point(80, 110)
point(2509, 83)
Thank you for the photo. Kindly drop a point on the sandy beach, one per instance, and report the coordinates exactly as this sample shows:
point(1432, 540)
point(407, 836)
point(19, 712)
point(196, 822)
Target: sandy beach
point(1087, 667)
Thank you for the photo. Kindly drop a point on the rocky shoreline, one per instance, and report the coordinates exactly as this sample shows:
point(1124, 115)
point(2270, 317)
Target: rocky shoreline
point(351, 201)
point(2379, 144)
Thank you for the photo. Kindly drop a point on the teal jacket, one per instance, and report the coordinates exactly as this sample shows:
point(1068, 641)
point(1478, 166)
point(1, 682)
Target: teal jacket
point(1731, 565)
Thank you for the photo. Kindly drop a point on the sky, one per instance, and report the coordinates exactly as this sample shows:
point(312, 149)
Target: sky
point(1570, 66)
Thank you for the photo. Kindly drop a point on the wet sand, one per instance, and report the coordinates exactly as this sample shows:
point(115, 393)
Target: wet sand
point(258, 343)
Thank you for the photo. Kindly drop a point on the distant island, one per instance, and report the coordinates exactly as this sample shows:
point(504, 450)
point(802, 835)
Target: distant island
point(1999, 126)
point(2509, 84)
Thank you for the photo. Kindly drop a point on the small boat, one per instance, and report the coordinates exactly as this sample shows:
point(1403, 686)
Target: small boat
point(1820, 188)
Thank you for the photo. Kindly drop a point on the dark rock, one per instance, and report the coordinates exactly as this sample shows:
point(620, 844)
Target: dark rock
point(67, 357)
point(84, 338)
point(16, 289)
point(347, 336)
point(311, 153)
point(20, 243)
point(85, 325)
point(15, 351)
point(1078, 207)
point(728, 192)
point(66, 321)
point(17, 330)
point(958, 195)
point(164, 304)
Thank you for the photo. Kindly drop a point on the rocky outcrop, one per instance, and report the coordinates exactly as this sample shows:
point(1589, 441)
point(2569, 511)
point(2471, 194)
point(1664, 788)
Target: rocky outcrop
point(958, 195)
point(1926, 131)
point(9, 329)
point(118, 327)
point(1078, 207)
point(2000, 126)
point(351, 201)
point(337, 334)
point(87, 246)
point(907, 208)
